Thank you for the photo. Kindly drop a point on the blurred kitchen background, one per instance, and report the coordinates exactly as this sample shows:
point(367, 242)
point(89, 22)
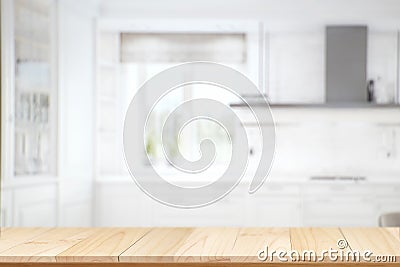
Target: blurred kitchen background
point(330, 70)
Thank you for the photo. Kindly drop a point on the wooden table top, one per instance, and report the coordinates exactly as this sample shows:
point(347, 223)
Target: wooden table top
point(224, 246)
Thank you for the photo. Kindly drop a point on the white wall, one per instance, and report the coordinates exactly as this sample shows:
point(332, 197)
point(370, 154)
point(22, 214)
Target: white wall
point(279, 13)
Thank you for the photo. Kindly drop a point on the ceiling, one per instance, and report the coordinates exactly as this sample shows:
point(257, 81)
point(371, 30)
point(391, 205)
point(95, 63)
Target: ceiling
point(374, 12)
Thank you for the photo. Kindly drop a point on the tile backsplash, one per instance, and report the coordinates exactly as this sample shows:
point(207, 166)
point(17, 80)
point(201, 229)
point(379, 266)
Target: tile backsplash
point(334, 141)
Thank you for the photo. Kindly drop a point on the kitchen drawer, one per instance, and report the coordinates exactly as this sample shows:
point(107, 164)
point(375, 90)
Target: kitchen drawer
point(225, 212)
point(273, 211)
point(35, 206)
point(337, 189)
point(121, 205)
point(385, 190)
point(6, 208)
point(348, 211)
point(269, 189)
point(388, 204)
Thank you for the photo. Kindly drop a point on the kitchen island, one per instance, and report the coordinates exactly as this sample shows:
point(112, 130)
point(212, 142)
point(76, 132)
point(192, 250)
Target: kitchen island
point(199, 246)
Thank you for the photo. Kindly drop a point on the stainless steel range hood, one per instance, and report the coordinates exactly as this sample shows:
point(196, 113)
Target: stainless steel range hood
point(346, 64)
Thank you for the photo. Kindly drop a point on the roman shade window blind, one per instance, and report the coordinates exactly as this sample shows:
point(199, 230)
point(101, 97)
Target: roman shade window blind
point(171, 47)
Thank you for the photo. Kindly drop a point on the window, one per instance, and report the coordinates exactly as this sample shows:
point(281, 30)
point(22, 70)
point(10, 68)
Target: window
point(126, 60)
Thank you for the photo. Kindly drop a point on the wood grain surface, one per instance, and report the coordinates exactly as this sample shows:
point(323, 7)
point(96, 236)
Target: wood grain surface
point(251, 240)
point(380, 241)
point(186, 246)
point(207, 245)
point(159, 245)
point(105, 245)
point(318, 240)
point(10, 237)
point(44, 247)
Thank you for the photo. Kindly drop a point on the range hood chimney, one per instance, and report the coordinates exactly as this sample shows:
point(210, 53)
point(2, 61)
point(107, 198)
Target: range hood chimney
point(346, 64)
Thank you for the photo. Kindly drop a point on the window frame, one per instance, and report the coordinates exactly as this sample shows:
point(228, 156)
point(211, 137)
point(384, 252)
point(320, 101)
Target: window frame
point(254, 47)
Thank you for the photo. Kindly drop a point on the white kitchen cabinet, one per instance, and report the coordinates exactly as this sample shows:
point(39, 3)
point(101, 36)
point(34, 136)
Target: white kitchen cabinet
point(30, 127)
point(273, 211)
point(124, 204)
point(335, 210)
point(75, 202)
point(387, 205)
point(48, 48)
point(337, 190)
point(76, 144)
point(300, 56)
point(226, 212)
point(33, 88)
point(382, 66)
point(345, 204)
point(35, 206)
point(6, 207)
point(121, 204)
point(385, 190)
point(388, 199)
point(275, 204)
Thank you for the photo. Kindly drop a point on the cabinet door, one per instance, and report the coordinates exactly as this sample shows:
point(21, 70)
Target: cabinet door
point(31, 99)
point(121, 204)
point(331, 211)
point(6, 208)
point(35, 206)
point(227, 212)
point(388, 199)
point(332, 205)
point(273, 212)
point(274, 205)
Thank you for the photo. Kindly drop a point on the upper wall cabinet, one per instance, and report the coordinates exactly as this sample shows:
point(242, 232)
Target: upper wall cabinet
point(383, 65)
point(32, 87)
point(296, 66)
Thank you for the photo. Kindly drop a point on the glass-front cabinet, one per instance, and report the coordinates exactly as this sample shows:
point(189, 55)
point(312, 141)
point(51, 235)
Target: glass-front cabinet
point(32, 86)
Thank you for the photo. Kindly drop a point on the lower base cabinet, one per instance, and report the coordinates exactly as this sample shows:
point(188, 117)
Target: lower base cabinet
point(30, 206)
point(275, 204)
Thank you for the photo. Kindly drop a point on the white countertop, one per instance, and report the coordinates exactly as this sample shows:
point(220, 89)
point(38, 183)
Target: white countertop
point(301, 178)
